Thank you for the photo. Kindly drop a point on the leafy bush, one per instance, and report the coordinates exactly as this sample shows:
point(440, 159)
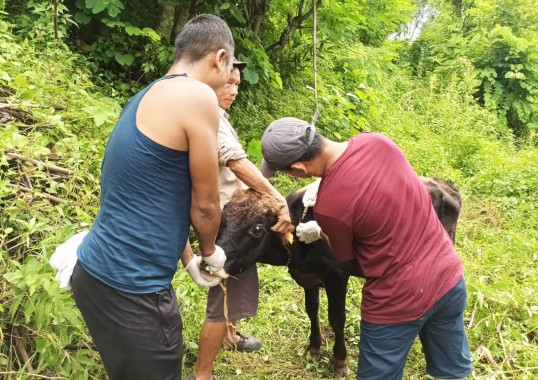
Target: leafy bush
point(498, 39)
point(53, 120)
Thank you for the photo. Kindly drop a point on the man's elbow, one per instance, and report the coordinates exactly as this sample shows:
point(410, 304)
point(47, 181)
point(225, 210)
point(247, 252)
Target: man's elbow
point(237, 165)
point(207, 209)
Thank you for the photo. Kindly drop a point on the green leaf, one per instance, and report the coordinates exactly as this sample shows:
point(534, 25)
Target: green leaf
point(238, 15)
point(133, 31)
point(277, 81)
point(82, 18)
point(5, 76)
point(250, 76)
point(113, 7)
point(255, 149)
point(151, 34)
point(96, 6)
point(99, 118)
point(41, 345)
point(13, 277)
point(20, 82)
point(124, 59)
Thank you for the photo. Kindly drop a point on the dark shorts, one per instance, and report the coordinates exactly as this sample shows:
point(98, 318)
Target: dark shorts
point(138, 336)
point(383, 348)
point(243, 295)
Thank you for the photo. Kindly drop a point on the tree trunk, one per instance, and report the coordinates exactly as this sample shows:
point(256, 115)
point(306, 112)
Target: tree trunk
point(183, 13)
point(166, 22)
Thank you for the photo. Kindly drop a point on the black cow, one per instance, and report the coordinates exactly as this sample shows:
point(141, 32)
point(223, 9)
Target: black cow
point(246, 237)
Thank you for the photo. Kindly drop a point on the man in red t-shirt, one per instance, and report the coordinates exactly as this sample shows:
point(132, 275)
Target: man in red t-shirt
point(372, 207)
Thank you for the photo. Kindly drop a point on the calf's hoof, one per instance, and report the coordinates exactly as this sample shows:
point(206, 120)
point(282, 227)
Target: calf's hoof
point(315, 352)
point(340, 368)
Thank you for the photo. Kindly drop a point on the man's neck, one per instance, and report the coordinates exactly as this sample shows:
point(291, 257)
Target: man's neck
point(331, 153)
point(193, 70)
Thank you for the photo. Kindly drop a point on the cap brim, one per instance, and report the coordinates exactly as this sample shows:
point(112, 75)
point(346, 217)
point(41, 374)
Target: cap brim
point(266, 170)
point(238, 64)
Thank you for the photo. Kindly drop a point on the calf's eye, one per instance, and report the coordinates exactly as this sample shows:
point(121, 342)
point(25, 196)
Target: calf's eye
point(257, 231)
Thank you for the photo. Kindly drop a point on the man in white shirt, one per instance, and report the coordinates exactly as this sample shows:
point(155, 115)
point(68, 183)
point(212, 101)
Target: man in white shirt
point(235, 171)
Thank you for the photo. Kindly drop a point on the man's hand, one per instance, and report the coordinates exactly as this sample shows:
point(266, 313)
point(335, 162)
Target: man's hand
point(311, 194)
point(216, 260)
point(308, 232)
point(193, 268)
point(283, 225)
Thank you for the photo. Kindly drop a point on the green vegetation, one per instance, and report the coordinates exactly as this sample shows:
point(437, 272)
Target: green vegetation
point(461, 100)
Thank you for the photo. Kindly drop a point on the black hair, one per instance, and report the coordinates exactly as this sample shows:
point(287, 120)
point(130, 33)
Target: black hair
point(202, 35)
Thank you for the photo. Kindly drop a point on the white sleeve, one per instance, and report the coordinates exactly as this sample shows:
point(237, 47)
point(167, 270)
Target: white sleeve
point(228, 145)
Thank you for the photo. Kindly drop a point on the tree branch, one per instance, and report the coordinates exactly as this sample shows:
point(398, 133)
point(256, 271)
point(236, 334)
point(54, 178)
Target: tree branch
point(294, 23)
point(255, 12)
point(56, 20)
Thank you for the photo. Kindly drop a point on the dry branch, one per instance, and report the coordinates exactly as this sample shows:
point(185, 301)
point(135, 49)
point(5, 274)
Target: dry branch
point(30, 375)
point(27, 181)
point(18, 113)
point(51, 198)
point(21, 350)
point(6, 91)
point(49, 167)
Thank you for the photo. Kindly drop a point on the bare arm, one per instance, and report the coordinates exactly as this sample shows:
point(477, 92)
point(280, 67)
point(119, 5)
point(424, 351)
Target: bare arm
point(187, 254)
point(201, 129)
point(249, 174)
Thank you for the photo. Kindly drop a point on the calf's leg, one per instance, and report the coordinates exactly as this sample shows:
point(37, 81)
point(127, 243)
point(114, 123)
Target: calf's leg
point(312, 309)
point(336, 296)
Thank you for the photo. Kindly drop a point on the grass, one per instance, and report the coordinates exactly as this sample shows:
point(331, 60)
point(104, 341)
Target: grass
point(283, 327)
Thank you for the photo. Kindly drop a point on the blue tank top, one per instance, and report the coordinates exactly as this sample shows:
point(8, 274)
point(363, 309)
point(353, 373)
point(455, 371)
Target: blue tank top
point(143, 222)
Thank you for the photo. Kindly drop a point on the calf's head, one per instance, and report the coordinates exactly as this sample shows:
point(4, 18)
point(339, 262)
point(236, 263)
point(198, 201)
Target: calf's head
point(446, 201)
point(245, 232)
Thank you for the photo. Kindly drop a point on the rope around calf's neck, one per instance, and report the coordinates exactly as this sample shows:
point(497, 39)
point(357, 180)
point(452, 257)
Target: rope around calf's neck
point(229, 336)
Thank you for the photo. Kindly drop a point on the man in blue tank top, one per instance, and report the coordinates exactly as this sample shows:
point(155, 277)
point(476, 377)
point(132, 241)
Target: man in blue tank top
point(159, 177)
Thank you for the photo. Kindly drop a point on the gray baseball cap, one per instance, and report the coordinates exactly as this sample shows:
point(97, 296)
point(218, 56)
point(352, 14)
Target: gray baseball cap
point(284, 142)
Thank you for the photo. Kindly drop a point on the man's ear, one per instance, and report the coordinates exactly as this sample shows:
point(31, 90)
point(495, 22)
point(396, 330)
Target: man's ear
point(221, 60)
point(300, 166)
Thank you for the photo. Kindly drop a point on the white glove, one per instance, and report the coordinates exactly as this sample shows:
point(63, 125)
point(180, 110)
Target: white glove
point(64, 259)
point(308, 232)
point(216, 260)
point(193, 268)
point(311, 194)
